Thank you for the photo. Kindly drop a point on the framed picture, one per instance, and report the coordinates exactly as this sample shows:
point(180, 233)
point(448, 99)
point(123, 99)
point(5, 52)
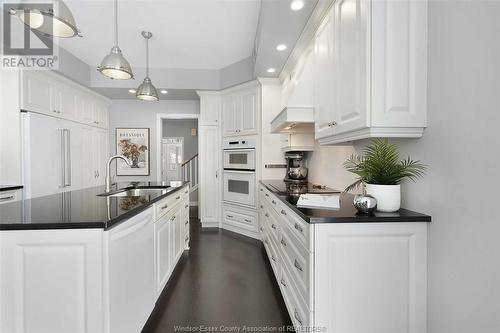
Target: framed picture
point(133, 143)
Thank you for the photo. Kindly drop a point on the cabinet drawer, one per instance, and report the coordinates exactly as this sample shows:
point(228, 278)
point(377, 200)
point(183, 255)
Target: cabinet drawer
point(240, 217)
point(165, 205)
point(10, 196)
point(298, 310)
point(273, 256)
point(297, 260)
point(299, 227)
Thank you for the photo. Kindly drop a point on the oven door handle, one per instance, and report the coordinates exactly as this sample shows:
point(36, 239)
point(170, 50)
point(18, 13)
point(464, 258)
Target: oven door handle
point(239, 171)
point(236, 150)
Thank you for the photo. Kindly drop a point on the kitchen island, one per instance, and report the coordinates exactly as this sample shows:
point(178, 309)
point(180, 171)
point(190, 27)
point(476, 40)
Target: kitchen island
point(341, 271)
point(74, 261)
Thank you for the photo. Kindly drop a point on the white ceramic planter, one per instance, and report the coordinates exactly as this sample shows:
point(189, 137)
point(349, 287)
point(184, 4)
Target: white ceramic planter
point(388, 196)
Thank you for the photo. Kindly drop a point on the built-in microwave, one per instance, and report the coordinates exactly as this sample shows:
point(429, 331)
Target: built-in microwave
point(239, 187)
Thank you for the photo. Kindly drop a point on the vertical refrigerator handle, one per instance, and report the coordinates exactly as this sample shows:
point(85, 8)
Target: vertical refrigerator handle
point(63, 159)
point(67, 156)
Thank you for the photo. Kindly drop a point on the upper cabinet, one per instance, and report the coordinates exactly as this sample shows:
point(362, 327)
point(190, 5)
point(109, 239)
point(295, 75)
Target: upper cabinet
point(240, 110)
point(51, 94)
point(370, 65)
point(209, 107)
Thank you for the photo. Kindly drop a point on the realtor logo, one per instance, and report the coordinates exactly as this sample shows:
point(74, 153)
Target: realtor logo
point(23, 45)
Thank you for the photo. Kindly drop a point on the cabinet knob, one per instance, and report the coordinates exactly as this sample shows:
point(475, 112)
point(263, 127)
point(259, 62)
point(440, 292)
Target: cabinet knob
point(283, 212)
point(333, 123)
point(283, 242)
point(273, 226)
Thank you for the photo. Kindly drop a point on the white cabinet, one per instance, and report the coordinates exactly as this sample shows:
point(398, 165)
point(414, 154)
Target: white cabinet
point(51, 281)
point(10, 196)
point(209, 108)
point(209, 164)
point(240, 110)
point(57, 96)
point(36, 93)
point(370, 70)
point(297, 142)
point(327, 272)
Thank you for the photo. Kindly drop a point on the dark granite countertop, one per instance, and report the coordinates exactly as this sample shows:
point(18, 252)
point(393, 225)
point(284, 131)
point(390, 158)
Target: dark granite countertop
point(10, 187)
point(347, 213)
point(79, 209)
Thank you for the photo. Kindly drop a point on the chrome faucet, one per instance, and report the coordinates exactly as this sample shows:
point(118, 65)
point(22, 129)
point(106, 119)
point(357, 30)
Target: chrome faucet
point(108, 172)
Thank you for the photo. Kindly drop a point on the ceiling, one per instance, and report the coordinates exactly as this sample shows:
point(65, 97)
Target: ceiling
point(196, 34)
point(196, 44)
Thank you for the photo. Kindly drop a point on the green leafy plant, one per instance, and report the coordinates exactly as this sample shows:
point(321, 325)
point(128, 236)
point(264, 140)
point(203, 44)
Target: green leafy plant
point(380, 164)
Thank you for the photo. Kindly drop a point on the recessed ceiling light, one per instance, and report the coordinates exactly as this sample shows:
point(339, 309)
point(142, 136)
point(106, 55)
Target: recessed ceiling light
point(163, 91)
point(297, 5)
point(281, 47)
point(132, 91)
point(271, 70)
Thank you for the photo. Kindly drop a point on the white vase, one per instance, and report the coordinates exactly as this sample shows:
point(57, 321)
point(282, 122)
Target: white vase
point(388, 196)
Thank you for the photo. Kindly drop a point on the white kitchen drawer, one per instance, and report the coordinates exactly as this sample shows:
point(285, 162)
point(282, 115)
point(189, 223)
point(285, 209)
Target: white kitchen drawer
point(165, 205)
point(298, 261)
point(298, 309)
point(10, 196)
point(240, 217)
point(299, 227)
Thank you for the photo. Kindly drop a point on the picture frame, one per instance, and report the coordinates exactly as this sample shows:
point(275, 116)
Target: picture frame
point(133, 143)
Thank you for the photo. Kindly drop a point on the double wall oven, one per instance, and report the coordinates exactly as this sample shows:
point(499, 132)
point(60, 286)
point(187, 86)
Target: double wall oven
point(239, 171)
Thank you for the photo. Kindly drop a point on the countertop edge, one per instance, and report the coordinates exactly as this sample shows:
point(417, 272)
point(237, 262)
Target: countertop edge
point(419, 217)
point(105, 225)
point(4, 188)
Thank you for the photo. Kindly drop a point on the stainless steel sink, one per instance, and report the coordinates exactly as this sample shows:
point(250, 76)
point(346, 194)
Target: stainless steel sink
point(134, 192)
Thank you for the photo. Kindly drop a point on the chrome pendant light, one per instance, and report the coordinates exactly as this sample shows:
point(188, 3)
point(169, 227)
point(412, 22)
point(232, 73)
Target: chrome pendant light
point(114, 65)
point(53, 19)
point(146, 91)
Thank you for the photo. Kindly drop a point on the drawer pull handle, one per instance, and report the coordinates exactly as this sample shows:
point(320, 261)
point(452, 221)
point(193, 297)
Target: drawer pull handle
point(177, 198)
point(7, 198)
point(283, 212)
point(186, 192)
point(247, 220)
point(283, 282)
point(261, 190)
point(164, 206)
point(261, 206)
point(274, 202)
point(297, 265)
point(283, 243)
point(261, 229)
point(296, 315)
point(186, 206)
point(266, 215)
point(298, 227)
point(273, 258)
point(229, 216)
point(172, 218)
point(267, 195)
point(186, 223)
point(273, 226)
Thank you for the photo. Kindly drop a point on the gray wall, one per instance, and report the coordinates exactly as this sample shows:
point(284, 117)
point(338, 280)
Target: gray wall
point(182, 128)
point(135, 113)
point(461, 148)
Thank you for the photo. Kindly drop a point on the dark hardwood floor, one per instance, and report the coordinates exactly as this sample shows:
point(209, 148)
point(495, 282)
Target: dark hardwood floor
point(223, 281)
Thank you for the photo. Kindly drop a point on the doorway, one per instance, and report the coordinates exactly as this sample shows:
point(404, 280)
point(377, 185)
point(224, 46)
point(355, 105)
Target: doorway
point(172, 156)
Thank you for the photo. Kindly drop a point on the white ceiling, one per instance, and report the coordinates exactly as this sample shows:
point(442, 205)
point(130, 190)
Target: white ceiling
point(196, 34)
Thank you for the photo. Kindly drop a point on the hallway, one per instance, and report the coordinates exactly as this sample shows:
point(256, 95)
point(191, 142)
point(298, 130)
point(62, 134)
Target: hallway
point(213, 287)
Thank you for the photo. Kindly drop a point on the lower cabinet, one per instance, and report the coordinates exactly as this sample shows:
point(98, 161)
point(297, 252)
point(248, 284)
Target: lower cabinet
point(347, 277)
point(91, 280)
point(240, 219)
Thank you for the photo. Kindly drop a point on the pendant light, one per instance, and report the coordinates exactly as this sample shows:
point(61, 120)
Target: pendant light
point(54, 20)
point(114, 65)
point(146, 91)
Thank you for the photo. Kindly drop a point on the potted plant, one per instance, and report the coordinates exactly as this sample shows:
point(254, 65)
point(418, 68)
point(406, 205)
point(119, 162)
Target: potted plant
point(381, 170)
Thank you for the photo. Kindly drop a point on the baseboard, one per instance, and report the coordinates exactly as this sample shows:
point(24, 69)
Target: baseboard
point(193, 203)
point(209, 224)
point(241, 231)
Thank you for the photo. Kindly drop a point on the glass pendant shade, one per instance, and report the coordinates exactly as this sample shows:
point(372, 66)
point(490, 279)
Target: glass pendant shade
point(54, 20)
point(115, 66)
point(146, 91)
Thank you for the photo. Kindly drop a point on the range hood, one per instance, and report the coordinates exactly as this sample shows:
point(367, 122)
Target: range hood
point(297, 116)
point(294, 119)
